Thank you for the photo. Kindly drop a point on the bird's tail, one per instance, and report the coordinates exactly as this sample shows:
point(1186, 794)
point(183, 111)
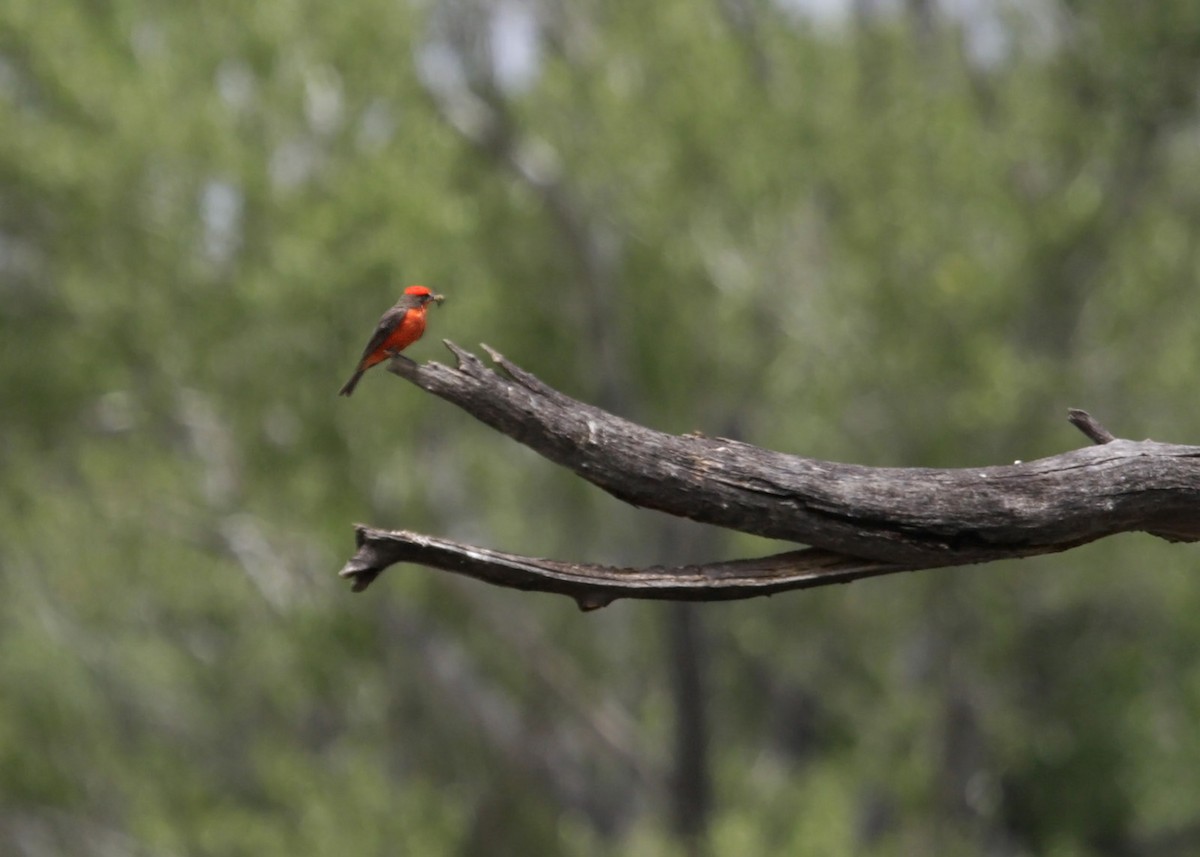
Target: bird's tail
point(349, 386)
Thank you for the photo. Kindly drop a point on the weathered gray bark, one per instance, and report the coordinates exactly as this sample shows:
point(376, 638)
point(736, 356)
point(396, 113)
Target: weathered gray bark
point(859, 521)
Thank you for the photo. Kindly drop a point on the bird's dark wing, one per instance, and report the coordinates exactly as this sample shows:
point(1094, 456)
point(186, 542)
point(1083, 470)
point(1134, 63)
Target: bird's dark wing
point(387, 323)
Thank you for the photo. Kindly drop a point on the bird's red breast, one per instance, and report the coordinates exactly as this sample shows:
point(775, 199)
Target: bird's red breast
point(404, 334)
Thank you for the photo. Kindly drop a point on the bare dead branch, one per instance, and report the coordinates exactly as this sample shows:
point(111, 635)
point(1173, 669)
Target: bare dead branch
point(860, 521)
point(594, 586)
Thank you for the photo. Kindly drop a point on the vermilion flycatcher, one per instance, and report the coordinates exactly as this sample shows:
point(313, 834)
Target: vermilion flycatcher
point(399, 328)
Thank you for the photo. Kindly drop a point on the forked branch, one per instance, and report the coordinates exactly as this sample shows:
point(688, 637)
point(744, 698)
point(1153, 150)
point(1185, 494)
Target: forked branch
point(859, 521)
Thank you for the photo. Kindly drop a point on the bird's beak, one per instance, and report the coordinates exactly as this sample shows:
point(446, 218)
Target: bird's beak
point(437, 298)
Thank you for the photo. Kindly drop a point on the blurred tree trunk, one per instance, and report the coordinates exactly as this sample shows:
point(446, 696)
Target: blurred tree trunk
point(691, 779)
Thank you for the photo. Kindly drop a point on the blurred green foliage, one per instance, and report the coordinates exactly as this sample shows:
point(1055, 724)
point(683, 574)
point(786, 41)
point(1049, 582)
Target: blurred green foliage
point(896, 237)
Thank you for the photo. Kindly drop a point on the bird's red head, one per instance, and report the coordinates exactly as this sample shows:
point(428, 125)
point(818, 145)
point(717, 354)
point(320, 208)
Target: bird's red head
point(423, 294)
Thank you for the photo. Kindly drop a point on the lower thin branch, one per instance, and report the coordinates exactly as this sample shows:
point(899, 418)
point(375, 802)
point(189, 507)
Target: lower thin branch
point(595, 586)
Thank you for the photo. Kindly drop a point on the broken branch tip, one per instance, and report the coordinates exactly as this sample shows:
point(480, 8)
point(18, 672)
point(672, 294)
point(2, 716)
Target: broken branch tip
point(1090, 426)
